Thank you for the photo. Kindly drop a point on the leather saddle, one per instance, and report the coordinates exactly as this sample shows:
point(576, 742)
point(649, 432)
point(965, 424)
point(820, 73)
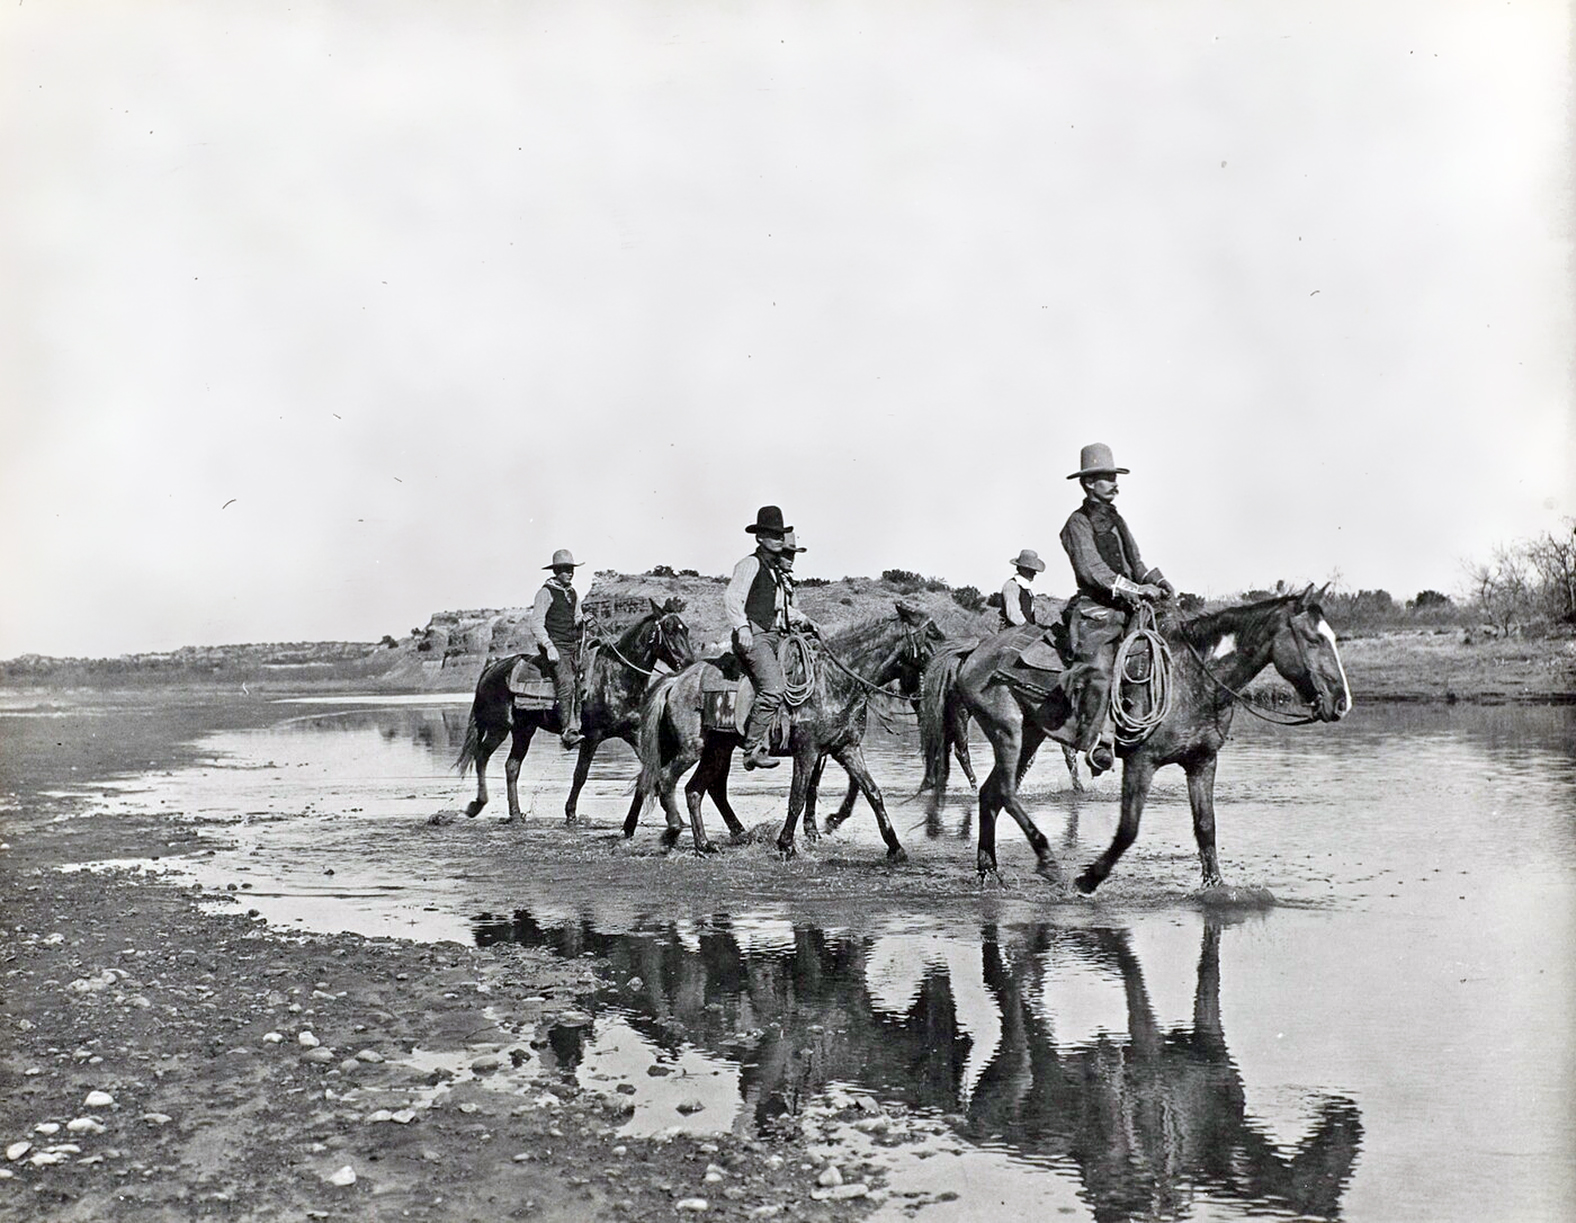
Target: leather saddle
point(1039, 668)
point(531, 683)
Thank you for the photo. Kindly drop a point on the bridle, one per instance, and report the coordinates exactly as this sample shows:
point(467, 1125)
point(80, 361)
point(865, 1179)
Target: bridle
point(1264, 713)
point(662, 642)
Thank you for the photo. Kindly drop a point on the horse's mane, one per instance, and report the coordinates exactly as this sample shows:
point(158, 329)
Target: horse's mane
point(864, 644)
point(1247, 621)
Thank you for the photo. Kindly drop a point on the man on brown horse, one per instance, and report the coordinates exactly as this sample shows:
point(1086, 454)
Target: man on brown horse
point(555, 623)
point(1111, 578)
point(760, 610)
point(1017, 600)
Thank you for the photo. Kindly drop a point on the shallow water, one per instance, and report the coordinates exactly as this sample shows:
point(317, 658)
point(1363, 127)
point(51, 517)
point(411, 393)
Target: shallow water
point(1392, 1040)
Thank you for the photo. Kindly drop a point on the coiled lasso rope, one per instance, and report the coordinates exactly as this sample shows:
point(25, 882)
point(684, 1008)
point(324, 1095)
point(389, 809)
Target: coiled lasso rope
point(796, 659)
point(1151, 691)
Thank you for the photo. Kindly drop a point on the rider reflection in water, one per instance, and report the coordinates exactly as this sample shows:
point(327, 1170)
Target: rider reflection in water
point(1147, 1119)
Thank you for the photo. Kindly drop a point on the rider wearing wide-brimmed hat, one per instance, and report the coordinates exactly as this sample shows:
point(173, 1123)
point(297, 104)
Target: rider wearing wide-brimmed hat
point(1017, 600)
point(555, 623)
point(760, 610)
point(1111, 578)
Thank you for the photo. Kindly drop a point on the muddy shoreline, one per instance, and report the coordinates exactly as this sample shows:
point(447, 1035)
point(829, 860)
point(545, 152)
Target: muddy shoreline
point(198, 1026)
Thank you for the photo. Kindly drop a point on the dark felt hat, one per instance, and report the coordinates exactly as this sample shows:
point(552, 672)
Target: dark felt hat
point(770, 519)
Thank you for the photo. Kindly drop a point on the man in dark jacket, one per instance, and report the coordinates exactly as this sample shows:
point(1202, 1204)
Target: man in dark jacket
point(1111, 578)
point(555, 622)
point(760, 610)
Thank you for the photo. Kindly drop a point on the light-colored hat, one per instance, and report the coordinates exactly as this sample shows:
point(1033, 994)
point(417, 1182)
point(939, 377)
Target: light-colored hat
point(1029, 559)
point(1095, 460)
point(790, 543)
point(563, 559)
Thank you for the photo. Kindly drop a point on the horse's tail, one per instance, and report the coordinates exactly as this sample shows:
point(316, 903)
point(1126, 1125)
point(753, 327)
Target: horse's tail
point(648, 740)
point(935, 702)
point(490, 688)
point(472, 745)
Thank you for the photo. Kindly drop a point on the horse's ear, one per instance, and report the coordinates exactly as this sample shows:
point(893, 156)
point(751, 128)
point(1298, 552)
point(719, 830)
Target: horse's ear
point(1306, 598)
point(656, 607)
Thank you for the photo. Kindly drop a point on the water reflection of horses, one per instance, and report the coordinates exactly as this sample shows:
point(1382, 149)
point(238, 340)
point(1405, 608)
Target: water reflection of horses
point(829, 721)
point(1146, 1120)
point(1215, 656)
point(617, 674)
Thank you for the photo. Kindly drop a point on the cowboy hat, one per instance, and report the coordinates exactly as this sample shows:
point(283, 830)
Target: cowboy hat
point(563, 559)
point(769, 519)
point(1095, 460)
point(1029, 559)
point(790, 543)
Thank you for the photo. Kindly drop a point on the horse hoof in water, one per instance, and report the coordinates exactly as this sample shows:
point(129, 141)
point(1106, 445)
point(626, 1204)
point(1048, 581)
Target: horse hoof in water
point(705, 848)
point(787, 851)
point(1087, 882)
point(1220, 895)
point(472, 808)
point(669, 838)
point(897, 854)
point(1048, 870)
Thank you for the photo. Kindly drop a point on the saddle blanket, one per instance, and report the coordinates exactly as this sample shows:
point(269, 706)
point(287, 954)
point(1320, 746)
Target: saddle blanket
point(726, 697)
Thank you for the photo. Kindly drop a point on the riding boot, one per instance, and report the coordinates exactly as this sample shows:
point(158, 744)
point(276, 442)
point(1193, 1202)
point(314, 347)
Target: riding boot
point(757, 753)
point(1102, 755)
point(566, 692)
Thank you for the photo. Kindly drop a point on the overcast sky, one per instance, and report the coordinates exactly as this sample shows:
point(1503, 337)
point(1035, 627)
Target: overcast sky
point(319, 319)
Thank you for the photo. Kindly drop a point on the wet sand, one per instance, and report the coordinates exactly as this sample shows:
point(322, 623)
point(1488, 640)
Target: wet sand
point(198, 1026)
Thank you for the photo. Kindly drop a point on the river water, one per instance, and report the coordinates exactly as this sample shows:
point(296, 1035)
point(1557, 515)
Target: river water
point(1391, 1040)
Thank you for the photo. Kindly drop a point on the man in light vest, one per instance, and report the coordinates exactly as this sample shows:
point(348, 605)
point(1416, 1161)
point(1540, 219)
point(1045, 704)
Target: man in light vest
point(760, 610)
point(1111, 578)
point(555, 623)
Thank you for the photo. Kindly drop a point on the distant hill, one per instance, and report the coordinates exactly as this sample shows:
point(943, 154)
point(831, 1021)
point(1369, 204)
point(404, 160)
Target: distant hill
point(449, 652)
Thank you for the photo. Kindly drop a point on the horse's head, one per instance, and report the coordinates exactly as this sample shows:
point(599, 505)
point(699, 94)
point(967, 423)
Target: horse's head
point(1305, 654)
point(668, 636)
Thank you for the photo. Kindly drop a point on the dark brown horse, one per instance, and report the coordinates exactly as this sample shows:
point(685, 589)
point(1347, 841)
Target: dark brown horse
point(830, 721)
point(1213, 656)
point(616, 679)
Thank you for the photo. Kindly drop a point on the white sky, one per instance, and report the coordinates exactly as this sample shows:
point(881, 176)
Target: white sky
point(319, 319)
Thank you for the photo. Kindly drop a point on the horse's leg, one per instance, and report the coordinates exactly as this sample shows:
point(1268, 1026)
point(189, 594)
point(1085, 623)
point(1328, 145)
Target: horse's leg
point(958, 732)
point(588, 746)
point(844, 809)
point(1007, 741)
point(524, 728)
point(1045, 861)
point(1137, 773)
point(1071, 757)
point(667, 784)
point(490, 739)
point(804, 761)
point(718, 791)
point(811, 789)
point(695, 789)
point(853, 759)
point(1201, 796)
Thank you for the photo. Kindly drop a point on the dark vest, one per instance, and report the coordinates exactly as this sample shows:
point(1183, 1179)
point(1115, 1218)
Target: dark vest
point(1025, 605)
point(1113, 542)
point(560, 618)
point(760, 605)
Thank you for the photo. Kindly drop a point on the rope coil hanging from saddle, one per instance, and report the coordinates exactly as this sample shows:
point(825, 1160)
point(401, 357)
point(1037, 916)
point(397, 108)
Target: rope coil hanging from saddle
point(798, 664)
point(1140, 679)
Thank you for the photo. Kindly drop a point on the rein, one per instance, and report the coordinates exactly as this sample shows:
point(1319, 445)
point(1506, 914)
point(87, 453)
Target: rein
point(1264, 713)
